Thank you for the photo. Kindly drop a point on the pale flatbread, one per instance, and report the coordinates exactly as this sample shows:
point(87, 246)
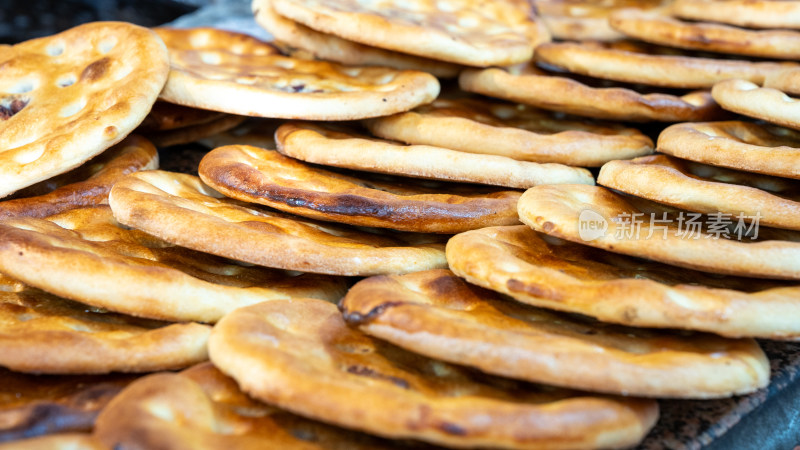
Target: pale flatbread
point(548, 272)
point(707, 189)
point(632, 63)
point(516, 131)
point(181, 209)
point(67, 97)
point(266, 177)
point(327, 145)
point(301, 356)
point(746, 98)
point(787, 81)
point(437, 314)
point(238, 74)
point(737, 145)
point(296, 39)
point(85, 255)
point(41, 333)
point(706, 36)
point(207, 410)
point(744, 13)
point(86, 185)
point(556, 210)
point(526, 84)
point(469, 32)
point(585, 20)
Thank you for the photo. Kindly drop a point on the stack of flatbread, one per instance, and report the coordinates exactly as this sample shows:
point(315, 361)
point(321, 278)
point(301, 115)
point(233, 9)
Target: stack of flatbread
point(367, 256)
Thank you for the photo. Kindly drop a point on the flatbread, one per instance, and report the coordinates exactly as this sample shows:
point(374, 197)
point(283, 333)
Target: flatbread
point(181, 209)
point(746, 98)
point(301, 356)
point(67, 97)
point(34, 405)
point(744, 13)
point(526, 84)
point(664, 30)
point(516, 131)
point(439, 315)
point(707, 189)
point(86, 185)
point(169, 116)
point(469, 32)
point(787, 81)
point(235, 73)
point(632, 63)
point(327, 145)
point(737, 145)
point(253, 131)
point(192, 133)
point(266, 177)
point(585, 20)
point(66, 441)
point(41, 333)
point(86, 256)
point(548, 272)
point(297, 40)
point(556, 210)
point(208, 411)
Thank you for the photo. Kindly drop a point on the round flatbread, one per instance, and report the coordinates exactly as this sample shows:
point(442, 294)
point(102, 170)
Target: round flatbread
point(67, 97)
point(87, 185)
point(268, 178)
point(600, 218)
point(192, 133)
point(787, 81)
point(744, 13)
point(746, 98)
point(737, 145)
point(295, 39)
point(327, 145)
point(712, 37)
point(181, 209)
point(66, 441)
point(529, 86)
point(71, 402)
point(548, 272)
point(632, 63)
point(301, 356)
point(169, 116)
point(208, 411)
point(515, 131)
point(85, 255)
point(255, 132)
point(469, 32)
point(235, 73)
point(41, 333)
point(439, 315)
point(585, 20)
point(774, 202)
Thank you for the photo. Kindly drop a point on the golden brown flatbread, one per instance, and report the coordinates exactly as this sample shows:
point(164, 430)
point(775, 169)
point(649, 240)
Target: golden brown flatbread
point(181, 209)
point(192, 133)
point(744, 13)
point(85, 255)
point(552, 273)
point(169, 116)
point(67, 97)
point(747, 99)
point(301, 356)
point(586, 20)
point(439, 315)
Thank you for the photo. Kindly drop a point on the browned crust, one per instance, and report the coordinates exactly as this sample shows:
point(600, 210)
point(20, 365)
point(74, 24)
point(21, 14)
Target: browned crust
point(268, 178)
point(192, 133)
point(787, 81)
point(566, 95)
point(706, 189)
point(635, 65)
point(195, 216)
point(63, 441)
point(736, 145)
point(100, 173)
point(745, 98)
point(168, 116)
point(439, 315)
point(314, 365)
point(661, 29)
point(515, 131)
point(555, 210)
